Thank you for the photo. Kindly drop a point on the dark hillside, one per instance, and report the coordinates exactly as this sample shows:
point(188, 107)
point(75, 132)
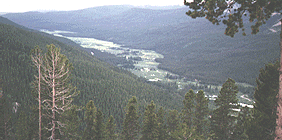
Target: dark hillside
point(109, 86)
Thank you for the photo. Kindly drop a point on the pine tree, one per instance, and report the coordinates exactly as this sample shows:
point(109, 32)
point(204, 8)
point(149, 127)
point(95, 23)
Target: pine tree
point(201, 113)
point(162, 128)
point(188, 109)
point(223, 118)
point(110, 129)
point(215, 12)
point(173, 124)
point(71, 120)
point(99, 126)
point(56, 76)
point(150, 125)
point(131, 124)
point(257, 10)
point(184, 132)
point(89, 118)
point(242, 124)
point(263, 121)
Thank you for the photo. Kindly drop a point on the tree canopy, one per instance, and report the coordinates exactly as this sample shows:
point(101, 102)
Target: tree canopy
point(232, 12)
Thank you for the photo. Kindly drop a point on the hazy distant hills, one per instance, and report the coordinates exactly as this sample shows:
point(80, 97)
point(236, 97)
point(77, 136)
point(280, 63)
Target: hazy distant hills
point(192, 48)
point(116, 18)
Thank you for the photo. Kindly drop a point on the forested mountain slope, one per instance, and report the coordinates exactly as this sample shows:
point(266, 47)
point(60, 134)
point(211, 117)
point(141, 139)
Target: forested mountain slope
point(108, 86)
point(191, 48)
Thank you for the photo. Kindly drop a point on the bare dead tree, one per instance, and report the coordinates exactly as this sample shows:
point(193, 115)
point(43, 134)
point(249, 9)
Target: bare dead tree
point(37, 60)
point(59, 92)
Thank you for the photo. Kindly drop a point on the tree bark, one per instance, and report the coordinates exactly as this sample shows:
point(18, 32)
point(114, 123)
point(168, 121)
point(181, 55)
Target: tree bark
point(53, 97)
point(39, 97)
point(38, 62)
point(278, 130)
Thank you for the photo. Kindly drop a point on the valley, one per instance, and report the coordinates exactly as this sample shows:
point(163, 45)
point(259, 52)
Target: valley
point(145, 65)
point(120, 72)
point(195, 49)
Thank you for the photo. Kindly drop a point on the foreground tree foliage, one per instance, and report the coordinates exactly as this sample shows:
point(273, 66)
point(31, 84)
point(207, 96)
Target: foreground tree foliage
point(131, 124)
point(188, 109)
point(243, 124)
point(89, 119)
point(162, 127)
point(150, 124)
point(201, 114)
point(216, 11)
point(230, 13)
point(99, 126)
point(110, 132)
point(223, 118)
point(173, 124)
point(72, 123)
point(262, 123)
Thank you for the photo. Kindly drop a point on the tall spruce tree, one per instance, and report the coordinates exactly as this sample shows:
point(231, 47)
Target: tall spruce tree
point(173, 124)
point(223, 118)
point(188, 109)
point(162, 128)
point(242, 124)
point(184, 132)
point(257, 10)
point(72, 123)
point(263, 121)
point(201, 113)
point(110, 133)
point(150, 125)
point(99, 126)
point(89, 119)
point(131, 124)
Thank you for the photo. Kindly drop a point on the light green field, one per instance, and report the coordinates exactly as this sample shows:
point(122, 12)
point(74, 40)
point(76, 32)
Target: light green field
point(146, 68)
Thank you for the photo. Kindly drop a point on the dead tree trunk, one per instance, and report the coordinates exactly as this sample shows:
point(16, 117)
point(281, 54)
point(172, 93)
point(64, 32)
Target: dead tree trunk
point(56, 75)
point(278, 130)
point(38, 62)
point(53, 99)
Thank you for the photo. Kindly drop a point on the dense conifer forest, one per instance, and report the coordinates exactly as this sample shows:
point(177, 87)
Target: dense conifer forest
point(108, 86)
point(99, 101)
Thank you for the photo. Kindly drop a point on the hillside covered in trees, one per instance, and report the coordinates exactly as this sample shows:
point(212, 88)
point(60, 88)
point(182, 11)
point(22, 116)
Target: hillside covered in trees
point(112, 103)
point(96, 80)
point(194, 49)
